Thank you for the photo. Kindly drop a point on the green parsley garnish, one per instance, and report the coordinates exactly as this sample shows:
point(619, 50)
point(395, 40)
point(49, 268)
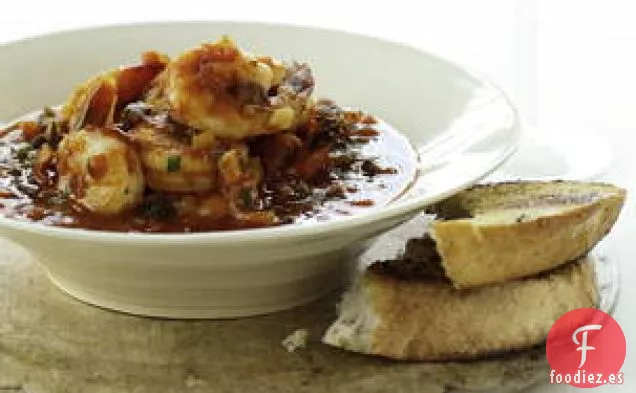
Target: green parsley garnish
point(23, 153)
point(174, 164)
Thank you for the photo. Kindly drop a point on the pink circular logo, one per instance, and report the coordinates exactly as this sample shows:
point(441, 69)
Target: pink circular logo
point(586, 348)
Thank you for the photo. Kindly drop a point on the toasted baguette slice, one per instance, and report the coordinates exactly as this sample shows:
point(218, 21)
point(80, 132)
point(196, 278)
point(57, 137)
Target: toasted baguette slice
point(495, 233)
point(431, 320)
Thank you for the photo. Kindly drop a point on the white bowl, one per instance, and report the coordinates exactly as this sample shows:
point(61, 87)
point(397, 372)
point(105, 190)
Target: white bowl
point(463, 128)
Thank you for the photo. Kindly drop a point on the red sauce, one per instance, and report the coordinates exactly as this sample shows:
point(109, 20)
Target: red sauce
point(310, 175)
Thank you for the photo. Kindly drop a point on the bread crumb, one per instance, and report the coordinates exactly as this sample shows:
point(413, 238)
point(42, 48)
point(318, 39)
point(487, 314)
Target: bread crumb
point(296, 340)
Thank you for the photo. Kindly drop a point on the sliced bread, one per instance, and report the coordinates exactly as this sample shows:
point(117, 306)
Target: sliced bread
point(431, 320)
point(496, 233)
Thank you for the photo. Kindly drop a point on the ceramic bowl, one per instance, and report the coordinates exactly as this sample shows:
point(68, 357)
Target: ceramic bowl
point(461, 125)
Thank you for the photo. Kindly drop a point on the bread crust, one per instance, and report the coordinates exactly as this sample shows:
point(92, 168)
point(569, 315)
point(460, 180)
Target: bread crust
point(514, 258)
point(432, 321)
point(521, 229)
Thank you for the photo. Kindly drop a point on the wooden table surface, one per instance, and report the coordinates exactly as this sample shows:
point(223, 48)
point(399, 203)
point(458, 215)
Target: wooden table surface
point(51, 343)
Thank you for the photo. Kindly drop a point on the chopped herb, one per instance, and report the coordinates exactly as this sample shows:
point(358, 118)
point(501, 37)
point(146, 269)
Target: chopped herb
point(174, 164)
point(247, 197)
point(23, 153)
point(15, 172)
point(52, 133)
point(48, 112)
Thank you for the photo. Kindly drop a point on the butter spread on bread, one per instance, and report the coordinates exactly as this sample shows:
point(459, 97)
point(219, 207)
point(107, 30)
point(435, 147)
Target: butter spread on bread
point(499, 265)
point(496, 233)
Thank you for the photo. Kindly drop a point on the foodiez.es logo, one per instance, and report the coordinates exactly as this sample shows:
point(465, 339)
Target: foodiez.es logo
point(586, 348)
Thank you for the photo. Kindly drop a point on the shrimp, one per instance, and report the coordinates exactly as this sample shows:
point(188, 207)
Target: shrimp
point(184, 119)
point(220, 88)
point(96, 164)
point(97, 101)
point(174, 164)
point(100, 170)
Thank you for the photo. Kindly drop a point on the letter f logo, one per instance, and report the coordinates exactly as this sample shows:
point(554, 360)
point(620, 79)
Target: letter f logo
point(583, 344)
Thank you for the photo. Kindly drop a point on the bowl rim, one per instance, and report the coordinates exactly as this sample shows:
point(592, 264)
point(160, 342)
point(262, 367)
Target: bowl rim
point(393, 210)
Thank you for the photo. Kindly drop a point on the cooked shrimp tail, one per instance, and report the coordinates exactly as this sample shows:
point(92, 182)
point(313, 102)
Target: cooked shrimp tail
point(97, 101)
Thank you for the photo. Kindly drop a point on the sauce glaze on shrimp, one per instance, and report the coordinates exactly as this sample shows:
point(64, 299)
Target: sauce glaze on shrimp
point(215, 139)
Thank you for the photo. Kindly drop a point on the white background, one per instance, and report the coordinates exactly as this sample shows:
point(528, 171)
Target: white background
point(569, 65)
